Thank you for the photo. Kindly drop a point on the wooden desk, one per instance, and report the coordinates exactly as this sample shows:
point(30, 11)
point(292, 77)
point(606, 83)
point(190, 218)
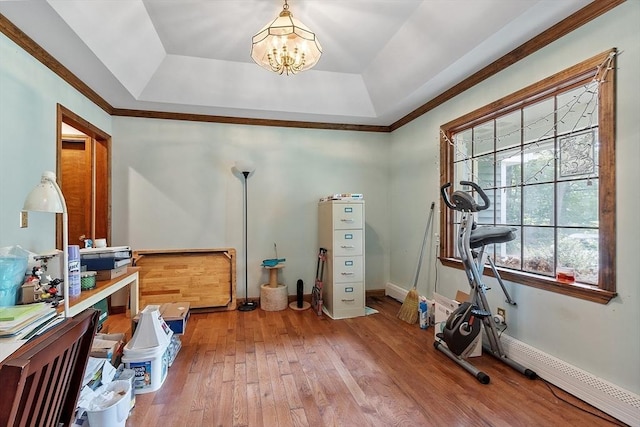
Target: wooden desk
point(85, 300)
point(105, 288)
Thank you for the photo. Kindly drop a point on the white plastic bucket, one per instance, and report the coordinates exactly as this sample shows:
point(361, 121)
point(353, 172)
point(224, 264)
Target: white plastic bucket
point(150, 366)
point(112, 412)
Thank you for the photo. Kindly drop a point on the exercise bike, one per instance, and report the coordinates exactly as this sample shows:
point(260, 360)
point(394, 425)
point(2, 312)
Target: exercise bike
point(463, 327)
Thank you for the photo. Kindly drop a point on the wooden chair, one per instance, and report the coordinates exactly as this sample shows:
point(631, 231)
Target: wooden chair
point(41, 381)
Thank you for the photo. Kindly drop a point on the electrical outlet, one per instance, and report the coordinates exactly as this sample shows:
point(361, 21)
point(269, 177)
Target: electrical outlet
point(502, 312)
point(24, 219)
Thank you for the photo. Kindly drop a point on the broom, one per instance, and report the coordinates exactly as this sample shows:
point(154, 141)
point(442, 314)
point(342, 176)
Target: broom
point(409, 310)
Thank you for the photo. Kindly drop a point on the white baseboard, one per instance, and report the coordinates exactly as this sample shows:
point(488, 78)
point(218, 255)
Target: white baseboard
point(615, 401)
point(609, 398)
point(395, 292)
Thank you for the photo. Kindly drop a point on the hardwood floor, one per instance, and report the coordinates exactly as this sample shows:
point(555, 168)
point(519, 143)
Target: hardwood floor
point(293, 368)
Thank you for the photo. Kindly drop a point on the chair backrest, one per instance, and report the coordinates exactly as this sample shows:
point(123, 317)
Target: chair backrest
point(41, 381)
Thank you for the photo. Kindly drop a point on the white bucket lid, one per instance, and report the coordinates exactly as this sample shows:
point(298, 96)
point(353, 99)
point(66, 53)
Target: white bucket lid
point(140, 354)
point(152, 330)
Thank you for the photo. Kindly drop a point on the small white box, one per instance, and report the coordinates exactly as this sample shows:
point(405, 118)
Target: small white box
point(443, 308)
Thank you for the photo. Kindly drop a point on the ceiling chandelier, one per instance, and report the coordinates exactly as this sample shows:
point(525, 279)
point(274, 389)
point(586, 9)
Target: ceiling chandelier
point(286, 45)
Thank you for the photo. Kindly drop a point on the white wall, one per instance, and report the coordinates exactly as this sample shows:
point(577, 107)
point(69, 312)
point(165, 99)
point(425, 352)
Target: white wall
point(601, 339)
point(29, 93)
point(173, 187)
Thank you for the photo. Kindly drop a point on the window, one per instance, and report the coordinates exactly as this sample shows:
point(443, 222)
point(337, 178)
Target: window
point(545, 156)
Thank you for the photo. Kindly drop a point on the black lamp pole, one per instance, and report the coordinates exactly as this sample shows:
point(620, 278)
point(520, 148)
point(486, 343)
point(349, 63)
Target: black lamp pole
point(246, 305)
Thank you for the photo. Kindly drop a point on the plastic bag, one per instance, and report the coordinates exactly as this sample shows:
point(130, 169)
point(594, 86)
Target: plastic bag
point(13, 267)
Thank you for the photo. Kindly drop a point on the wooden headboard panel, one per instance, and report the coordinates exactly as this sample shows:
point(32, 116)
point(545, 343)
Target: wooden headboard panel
point(206, 278)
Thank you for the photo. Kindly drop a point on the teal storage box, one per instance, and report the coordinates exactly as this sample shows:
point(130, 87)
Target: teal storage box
point(104, 311)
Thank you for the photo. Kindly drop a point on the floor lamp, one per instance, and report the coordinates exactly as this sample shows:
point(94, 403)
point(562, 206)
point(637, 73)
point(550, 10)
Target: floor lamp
point(47, 197)
point(246, 169)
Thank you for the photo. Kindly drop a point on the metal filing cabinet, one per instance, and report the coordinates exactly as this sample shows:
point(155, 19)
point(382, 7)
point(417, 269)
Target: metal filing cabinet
point(341, 232)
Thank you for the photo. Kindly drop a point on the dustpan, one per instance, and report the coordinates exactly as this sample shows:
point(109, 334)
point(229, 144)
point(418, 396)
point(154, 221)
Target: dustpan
point(152, 330)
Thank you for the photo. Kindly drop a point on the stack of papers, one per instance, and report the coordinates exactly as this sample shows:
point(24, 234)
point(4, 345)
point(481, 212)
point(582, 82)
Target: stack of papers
point(107, 252)
point(109, 258)
point(18, 320)
point(343, 196)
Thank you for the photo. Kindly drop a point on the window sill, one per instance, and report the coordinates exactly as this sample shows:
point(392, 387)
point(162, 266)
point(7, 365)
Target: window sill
point(576, 290)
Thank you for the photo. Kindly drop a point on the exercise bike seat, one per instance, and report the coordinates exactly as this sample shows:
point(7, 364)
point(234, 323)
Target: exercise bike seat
point(482, 236)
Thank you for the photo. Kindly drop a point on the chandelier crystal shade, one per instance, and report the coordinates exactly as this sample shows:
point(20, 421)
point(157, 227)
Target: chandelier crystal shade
point(286, 45)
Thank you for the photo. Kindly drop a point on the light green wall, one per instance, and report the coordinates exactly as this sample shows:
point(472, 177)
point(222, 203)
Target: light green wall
point(172, 182)
point(601, 339)
point(174, 188)
point(29, 93)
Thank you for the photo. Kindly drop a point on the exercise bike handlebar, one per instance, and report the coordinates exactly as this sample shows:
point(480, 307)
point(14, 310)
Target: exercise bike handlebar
point(462, 200)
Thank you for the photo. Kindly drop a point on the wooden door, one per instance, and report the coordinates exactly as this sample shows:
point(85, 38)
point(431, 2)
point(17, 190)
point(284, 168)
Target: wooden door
point(77, 183)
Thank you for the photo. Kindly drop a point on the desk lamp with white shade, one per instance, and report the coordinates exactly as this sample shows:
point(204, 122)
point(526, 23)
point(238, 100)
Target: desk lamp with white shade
point(47, 197)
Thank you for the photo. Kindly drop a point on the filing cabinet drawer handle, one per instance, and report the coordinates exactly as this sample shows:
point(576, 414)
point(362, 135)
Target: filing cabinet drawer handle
point(346, 219)
point(347, 246)
point(347, 273)
point(348, 300)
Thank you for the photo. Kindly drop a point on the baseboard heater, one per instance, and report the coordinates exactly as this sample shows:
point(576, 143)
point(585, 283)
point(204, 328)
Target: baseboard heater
point(609, 398)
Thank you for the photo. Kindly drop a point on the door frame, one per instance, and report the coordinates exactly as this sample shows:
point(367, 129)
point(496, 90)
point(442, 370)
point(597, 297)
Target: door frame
point(65, 115)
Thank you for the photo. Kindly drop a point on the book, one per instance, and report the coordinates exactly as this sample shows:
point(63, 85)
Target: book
point(19, 312)
point(95, 264)
point(24, 317)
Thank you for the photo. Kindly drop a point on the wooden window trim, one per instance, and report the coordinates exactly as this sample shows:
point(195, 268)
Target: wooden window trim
point(606, 289)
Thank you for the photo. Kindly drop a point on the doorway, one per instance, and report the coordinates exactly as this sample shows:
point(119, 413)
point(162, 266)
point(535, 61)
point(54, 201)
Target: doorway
point(83, 168)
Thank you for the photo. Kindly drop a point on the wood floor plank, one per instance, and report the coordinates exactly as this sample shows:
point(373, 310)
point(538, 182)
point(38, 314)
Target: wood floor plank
point(289, 368)
point(222, 412)
point(299, 418)
point(291, 391)
point(254, 406)
point(240, 402)
point(283, 411)
point(267, 403)
point(306, 388)
point(251, 367)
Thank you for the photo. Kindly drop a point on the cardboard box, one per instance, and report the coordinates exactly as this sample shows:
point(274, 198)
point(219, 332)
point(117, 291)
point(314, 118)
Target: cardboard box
point(111, 274)
point(108, 346)
point(443, 308)
point(174, 314)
